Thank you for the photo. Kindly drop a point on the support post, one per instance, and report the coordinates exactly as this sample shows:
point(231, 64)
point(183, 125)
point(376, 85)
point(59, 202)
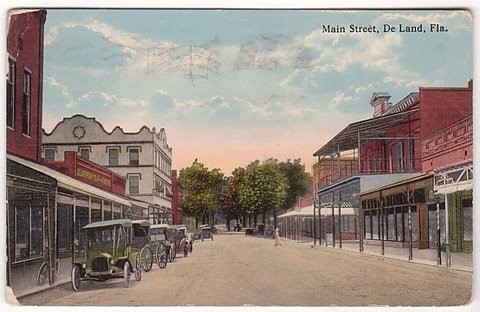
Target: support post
point(447, 234)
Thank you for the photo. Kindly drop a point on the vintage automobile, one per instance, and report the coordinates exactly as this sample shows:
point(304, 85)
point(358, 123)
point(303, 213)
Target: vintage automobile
point(141, 242)
point(203, 231)
point(104, 251)
point(179, 239)
point(158, 234)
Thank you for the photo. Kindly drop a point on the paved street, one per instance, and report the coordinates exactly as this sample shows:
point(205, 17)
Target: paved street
point(242, 270)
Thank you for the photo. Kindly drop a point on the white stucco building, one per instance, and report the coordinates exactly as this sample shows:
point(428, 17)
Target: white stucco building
point(143, 157)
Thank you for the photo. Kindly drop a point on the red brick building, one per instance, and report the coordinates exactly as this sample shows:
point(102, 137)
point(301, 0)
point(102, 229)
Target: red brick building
point(25, 83)
point(177, 209)
point(405, 154)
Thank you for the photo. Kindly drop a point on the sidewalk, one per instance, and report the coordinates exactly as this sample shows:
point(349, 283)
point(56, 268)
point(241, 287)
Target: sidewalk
point(459, 260)
point(24, 280)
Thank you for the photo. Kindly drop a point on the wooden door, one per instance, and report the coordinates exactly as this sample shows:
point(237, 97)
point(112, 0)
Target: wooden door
point(422, 226)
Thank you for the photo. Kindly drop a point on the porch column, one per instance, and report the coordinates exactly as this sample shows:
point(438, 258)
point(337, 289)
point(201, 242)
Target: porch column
point(447, 234)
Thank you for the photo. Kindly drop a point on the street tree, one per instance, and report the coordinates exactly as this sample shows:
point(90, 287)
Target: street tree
point(299, 181)
point(201, 191)
point(264, 189)
point(231, 207)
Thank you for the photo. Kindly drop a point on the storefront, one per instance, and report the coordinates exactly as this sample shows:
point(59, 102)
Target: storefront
point(401, 214)
point(45, 210)
point(453, 186)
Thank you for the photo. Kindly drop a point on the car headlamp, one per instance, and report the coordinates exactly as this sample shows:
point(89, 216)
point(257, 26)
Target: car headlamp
point(113, 261)
point(84, 265)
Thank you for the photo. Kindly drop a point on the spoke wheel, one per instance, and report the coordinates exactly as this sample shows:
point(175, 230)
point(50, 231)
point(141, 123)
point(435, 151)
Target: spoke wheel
point(146, 258)
point(161, 256)
point(75, 275)
point(126, 274)
point(42, 274)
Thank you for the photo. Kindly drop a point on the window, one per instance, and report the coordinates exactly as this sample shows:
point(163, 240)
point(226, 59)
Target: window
point(50, 154)
point(113, 157)
point(28, 232)
point(11, 94)
point(134, 154)
point(85, 153)
point(467, 220)
point(133, 184)
point(27, 82)
point(400, 166)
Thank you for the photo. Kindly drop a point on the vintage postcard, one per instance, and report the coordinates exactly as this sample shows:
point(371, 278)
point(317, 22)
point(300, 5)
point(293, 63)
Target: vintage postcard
point(224, 156)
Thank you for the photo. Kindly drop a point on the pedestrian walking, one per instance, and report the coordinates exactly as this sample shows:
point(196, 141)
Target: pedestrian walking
point(276, 237)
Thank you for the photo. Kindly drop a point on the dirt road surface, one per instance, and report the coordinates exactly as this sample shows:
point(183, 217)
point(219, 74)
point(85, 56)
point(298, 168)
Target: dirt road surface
point(238, 270)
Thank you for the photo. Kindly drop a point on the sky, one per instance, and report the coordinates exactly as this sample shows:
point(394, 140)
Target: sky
point(233, 86)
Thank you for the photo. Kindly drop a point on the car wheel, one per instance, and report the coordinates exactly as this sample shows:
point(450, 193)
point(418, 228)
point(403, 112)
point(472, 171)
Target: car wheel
point(75, 275)
point(138, 269)
point(161, 256)
point(126, 274)
point(146, 258)
point(185, 251)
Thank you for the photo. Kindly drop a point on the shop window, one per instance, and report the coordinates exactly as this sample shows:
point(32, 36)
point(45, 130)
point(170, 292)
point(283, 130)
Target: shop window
point(133, 184)
point(368, 225)
point(107, 211)
point(113, 156)
point(432, 225)
point(27, 82)
point(28, 233)
point(467, 210)
point(414, 223)
point(390, 225)
point(400, 223)
point(117, 211)
point(375, 225)
point(11, 93)
point(64, 226)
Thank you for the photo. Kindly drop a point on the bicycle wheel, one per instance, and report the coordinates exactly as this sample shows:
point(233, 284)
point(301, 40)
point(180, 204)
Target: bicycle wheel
point(42, 274)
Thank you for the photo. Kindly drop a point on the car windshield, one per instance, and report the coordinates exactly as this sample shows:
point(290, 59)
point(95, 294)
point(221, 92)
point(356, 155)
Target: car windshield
point(157, 234)
point(105, 237)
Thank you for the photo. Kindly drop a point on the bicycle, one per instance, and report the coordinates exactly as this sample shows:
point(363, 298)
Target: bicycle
point(42, 274)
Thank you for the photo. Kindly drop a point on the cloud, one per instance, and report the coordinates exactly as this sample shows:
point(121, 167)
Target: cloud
point(450, 18)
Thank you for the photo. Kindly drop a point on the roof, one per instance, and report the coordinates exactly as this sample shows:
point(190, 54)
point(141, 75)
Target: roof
point(308, 212)
point(347, 139)
point(122, 222)
point(142, 222)
point(159, 226)
point(71, 183)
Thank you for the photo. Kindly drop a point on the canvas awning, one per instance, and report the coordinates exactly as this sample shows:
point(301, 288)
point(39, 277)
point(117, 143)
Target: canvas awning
point(71, 184)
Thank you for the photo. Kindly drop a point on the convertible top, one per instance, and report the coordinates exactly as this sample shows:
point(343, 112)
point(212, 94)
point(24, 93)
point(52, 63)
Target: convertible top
point(145, 223)
point(158, 226)
point(122, 222)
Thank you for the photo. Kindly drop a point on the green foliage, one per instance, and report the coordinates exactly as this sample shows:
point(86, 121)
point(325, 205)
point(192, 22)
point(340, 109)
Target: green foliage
point(299, 181)
point(231, 207)
point(201, 190)
point(264, 188)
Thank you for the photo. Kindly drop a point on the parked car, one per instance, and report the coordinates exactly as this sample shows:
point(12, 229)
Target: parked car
point(180, 240)
point(159, 236)
point(106, 253)
point(203, 231)
point(141, 242)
